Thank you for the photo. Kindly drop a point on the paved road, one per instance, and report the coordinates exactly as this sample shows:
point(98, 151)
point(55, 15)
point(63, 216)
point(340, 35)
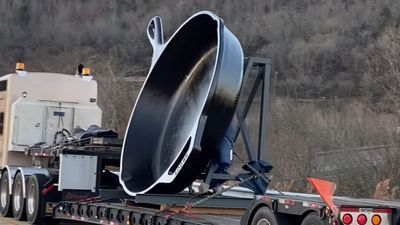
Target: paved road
point(10, 221)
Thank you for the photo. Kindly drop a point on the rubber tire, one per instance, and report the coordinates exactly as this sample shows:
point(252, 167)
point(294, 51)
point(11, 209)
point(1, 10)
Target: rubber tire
point(21, 213)
point(312, 219)
point(264, 216)
point(35, 184)
point(6, 211)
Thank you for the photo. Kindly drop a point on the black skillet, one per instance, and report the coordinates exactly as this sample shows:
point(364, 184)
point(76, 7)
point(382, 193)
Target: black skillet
point(196, 74)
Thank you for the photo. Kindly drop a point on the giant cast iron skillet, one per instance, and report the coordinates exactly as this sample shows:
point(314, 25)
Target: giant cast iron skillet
point(196, 74)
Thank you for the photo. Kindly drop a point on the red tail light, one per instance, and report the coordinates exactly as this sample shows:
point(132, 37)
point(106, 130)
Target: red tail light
point(347, 219)
point(362, 219)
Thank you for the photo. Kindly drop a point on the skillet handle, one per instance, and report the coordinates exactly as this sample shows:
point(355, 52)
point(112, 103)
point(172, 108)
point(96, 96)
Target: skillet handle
point(156, 37)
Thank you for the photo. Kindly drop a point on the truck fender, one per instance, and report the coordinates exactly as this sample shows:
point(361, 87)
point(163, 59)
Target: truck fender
point(257, 203)
point(12, 170)
point(28, 171)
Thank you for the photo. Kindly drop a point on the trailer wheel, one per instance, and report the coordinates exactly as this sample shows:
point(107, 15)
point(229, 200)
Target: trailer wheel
point(35, 202)
point(18, 200)
point(312, 219)
point(5, 197)
point(264, 216)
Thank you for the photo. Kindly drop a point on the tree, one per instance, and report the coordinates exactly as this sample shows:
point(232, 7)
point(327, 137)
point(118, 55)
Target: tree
point(383, 68)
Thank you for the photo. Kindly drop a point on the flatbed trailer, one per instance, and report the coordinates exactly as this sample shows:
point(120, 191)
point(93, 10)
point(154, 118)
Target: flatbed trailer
point(236, 206)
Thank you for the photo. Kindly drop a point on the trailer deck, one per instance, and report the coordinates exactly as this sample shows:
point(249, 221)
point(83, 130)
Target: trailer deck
point(226, 209)
point(340, 201)
point(118, 213)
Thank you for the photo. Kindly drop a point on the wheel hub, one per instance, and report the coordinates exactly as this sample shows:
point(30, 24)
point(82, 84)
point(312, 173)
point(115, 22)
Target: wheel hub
point(31, 200)
point(4, 193)
point(17, 195)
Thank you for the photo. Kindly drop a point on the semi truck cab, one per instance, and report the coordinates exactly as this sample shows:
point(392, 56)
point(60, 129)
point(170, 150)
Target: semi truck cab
point(34, 106)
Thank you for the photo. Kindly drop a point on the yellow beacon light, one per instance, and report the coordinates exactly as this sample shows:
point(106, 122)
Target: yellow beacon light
point(20, 66)
point(86, 71)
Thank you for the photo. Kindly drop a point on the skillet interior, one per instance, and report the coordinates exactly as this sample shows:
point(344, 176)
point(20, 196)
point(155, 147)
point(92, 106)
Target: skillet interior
point(170, 103)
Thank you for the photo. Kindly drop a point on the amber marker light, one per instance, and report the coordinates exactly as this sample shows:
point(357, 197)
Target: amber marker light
point(86, 71)
point(20, 66)
point(376, 219)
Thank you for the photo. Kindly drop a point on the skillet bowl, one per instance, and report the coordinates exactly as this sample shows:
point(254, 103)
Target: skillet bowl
point(197, 72)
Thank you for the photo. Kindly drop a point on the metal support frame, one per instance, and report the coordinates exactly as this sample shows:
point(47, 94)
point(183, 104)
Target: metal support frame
point(262, 78)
